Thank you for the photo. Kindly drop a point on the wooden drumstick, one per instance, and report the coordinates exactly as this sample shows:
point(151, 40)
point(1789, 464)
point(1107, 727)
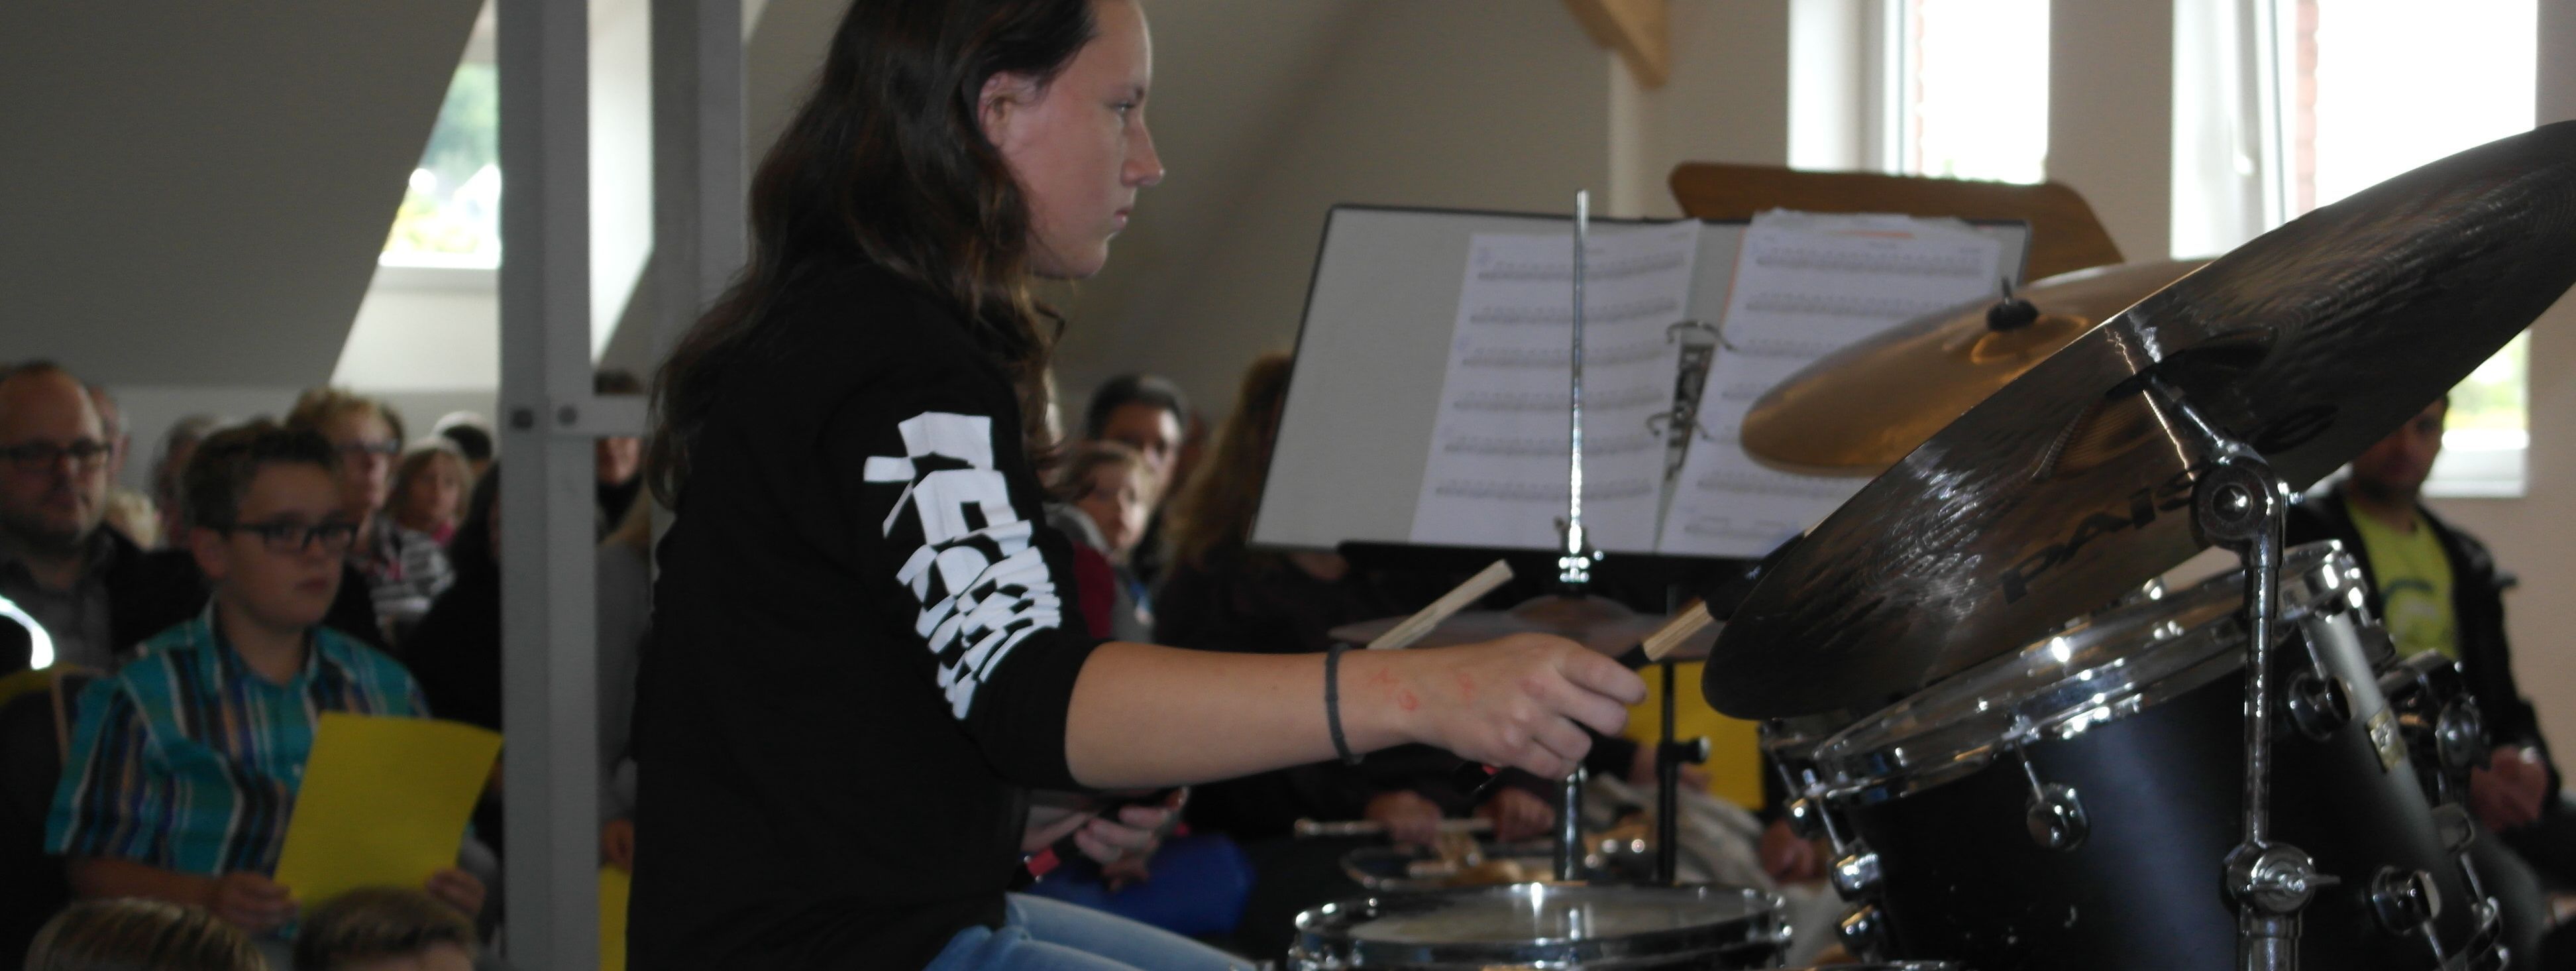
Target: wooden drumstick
point(1424, 621)
point(1685, 624)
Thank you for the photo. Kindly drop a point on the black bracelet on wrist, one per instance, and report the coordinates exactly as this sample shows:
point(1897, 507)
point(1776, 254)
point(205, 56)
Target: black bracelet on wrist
point(1333, 702)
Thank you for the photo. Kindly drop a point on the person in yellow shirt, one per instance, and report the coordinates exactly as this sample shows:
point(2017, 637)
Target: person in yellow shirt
point(2436, 588)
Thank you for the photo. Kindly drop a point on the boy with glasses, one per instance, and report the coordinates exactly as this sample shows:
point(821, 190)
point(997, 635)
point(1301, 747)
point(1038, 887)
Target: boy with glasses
point(184, 766)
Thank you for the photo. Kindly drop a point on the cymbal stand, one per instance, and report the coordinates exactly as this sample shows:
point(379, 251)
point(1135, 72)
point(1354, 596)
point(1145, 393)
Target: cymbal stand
point(2240, 503)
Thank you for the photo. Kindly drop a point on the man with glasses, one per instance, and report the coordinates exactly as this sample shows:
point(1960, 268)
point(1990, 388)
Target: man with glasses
point(54, 559)
point(185, 765)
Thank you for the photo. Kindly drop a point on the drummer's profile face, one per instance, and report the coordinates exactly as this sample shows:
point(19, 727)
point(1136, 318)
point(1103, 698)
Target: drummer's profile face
point(2397, 465)
point(1078, 144)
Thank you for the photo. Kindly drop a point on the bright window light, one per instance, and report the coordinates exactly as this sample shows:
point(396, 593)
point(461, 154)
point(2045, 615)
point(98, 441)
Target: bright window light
point(451, 208)
point(1967, 110)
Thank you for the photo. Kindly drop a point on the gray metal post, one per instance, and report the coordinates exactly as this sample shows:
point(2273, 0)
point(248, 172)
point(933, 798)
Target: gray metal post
point(698, 178)
point(549, 651)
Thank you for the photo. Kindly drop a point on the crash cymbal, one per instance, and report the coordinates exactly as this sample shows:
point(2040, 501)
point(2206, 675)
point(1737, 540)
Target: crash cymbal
point(1601, 625)
point(2068, 486)
point(1858, 410)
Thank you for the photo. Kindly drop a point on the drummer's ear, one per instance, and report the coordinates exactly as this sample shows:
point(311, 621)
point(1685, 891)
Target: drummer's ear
point(1004, 98)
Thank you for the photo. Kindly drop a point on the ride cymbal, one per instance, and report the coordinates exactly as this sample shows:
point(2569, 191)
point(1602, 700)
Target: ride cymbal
point(2071, 485)
point(1858, 410)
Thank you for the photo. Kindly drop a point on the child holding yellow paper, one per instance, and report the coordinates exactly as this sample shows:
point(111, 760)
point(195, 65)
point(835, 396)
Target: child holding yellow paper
point(185, 765)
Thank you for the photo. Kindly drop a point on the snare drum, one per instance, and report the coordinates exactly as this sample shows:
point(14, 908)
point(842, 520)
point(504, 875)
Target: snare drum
point(2069, 804)
point(1572, 926)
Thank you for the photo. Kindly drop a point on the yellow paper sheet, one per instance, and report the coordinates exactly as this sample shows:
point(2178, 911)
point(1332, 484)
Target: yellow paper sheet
point(384, 802)
point(613, 886)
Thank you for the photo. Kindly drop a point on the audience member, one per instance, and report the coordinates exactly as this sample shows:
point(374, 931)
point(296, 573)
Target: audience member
point(385, 929)
point(404, 570)
point(56, 563)
point(141, 935)
point(1148, 414)
point(128, 511)
point(456, 652)
point(471, 435)
point(1108, 494)
point(619, 458)
point(184, 765)
point(429, 490)
point(2436, 588)
point(625, 617)
point(176, 445)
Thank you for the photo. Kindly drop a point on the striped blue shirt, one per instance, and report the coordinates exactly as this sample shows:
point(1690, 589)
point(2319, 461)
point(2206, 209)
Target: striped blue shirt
point(188, 760)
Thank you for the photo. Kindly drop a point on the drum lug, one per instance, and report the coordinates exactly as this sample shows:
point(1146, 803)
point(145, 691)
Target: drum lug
point(2277, 880)
point(1806, 817)
point(2404, 899)
point(2055, 814)
point(2460, 736)
point(1864, 932)
point(2452, 825)
point(2056, 818)
point(1857, 875)
point(2320, 706)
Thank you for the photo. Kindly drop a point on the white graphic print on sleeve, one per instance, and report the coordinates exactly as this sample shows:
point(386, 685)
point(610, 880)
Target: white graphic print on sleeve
point(982, 587)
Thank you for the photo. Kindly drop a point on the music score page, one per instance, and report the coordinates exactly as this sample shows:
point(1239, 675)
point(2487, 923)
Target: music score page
point(1806, 285)
point(1497, 471)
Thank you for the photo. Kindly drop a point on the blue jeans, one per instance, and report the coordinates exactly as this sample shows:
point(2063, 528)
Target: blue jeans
point(1038, 934)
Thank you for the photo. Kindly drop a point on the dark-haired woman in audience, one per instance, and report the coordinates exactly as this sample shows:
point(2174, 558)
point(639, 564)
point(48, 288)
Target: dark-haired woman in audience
point(863, 658)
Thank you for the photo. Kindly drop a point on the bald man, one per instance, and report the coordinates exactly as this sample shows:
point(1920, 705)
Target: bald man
point(53, 492)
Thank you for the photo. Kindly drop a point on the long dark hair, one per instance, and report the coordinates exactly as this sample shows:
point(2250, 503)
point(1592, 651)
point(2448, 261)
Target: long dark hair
point(887, 164)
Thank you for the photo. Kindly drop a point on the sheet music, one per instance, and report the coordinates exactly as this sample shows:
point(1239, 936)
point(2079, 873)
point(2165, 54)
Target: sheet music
point(1497, 471)
point(1806, 285)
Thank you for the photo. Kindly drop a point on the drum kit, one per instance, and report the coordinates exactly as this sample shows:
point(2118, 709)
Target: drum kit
point(2017, 759)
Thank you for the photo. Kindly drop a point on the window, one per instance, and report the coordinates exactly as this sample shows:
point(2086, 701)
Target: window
point(451, 212)
point(2352, 122)
point(1964, 112)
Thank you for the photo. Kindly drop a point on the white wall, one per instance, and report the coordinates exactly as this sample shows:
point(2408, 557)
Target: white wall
point(1493, 105)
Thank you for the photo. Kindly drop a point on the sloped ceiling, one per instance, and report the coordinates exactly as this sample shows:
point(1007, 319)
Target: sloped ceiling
point(180, 175)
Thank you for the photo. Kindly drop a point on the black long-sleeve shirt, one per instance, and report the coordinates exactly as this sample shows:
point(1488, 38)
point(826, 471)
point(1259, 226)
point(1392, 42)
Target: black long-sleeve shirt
point(863, 650)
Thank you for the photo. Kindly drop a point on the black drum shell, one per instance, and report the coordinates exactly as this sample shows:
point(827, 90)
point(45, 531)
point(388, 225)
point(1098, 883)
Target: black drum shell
point(1964, 881)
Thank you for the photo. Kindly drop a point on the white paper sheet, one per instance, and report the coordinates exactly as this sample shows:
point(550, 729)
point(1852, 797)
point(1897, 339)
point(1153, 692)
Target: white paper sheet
point(1496, 475)
point(1806, 285)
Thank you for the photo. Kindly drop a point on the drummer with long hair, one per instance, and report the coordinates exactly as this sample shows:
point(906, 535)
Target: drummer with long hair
point(865, 659)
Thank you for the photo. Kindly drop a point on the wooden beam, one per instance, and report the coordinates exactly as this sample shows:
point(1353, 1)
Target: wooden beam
point(1634, 28)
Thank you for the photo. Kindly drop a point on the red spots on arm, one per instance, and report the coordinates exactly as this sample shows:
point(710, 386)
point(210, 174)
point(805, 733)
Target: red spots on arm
point(1404, 699)
point(1466, 687)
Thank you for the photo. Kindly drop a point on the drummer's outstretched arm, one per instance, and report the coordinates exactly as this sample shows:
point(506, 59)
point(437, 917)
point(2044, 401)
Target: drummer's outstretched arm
point(1144, 716)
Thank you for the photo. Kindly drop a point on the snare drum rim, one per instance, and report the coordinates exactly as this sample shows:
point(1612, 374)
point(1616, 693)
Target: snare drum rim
point(2104, 668)
point(1324, 934)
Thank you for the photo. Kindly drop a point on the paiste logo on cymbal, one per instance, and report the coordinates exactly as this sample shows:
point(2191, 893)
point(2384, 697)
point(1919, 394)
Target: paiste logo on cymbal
point(2143, 506)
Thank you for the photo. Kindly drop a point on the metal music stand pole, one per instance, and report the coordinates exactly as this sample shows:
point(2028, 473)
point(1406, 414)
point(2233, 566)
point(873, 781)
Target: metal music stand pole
point(1668, 798)
point(1574, 569)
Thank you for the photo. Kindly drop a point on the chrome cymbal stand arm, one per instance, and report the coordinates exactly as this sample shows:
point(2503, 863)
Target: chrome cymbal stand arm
point(1569, 828)
point(2239, 503)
